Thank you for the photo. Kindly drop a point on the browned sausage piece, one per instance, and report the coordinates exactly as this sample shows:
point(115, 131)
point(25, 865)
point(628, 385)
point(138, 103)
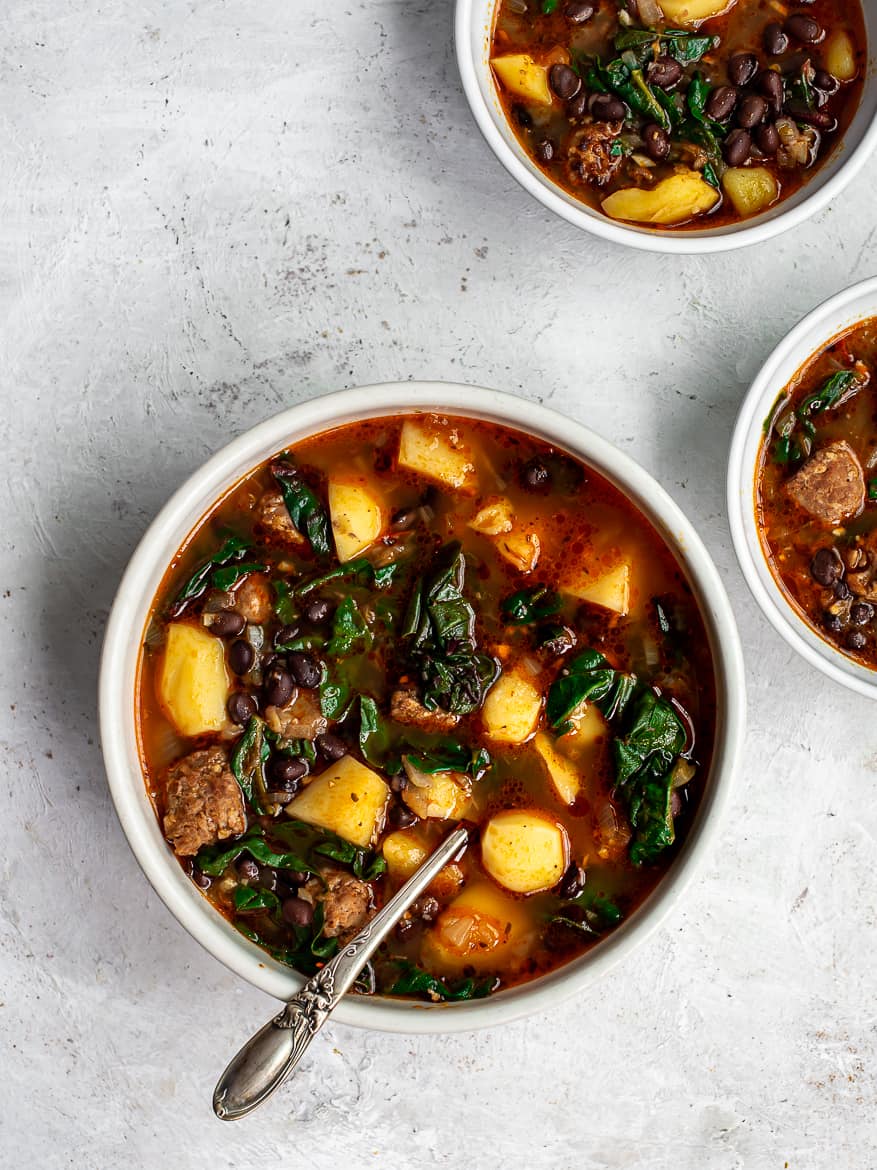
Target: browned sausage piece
point(300, 719)
point(406, 708)
point(204, 802)
point(831, 484)
point(347, 902)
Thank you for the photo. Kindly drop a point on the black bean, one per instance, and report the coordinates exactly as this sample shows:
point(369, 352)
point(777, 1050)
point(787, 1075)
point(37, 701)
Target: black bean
point(833, 622)
point(738, 147)
point(318, 610)
point(297, 912)
point(771, 85)
point(544, 150)
point(403, 518)
point(226, 624)
point(775, 40)
point(751, 111)
point(657, 141)
point(426, 908)
point(767, 139)
point(842, 591)
point(826, 568)
point(826, 82)
point(861, 613)
point(578, 106)
point(269, 878)
point(405, 927)
point(535, 474)
point(665, 72)
point(398, 783)
point(804, 28)
point(241, 707)
point(522, 116)
point(579, 11)
point(285, 634)
point(247, 869)
point(400, 816)
point(572, 882)
point(285, 773)
point(278, 686)
point(331, 746)
point(241, 656)
point(721, 102)
point(606, 108)
point(856, 640)
point(742, 68)
point(304, 668)
point(565, 82)
point(201, 879)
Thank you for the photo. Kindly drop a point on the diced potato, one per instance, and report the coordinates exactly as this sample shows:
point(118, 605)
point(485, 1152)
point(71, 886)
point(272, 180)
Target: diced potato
point(520, 74)
point(193, 679)
point(404, 850)
point(348, 799)
point(693, 11)
point(563, 773)
point(512, 708)
point(482, 928)
point(437, 452)
point(839, 55)
point(589, 727)
point(521, 549)
point(441, 795)
point(610, 589)
point(524, 850)
point(494, 518)
point(357, 517)
point(446, 883)
point(673, 200)
point(750, 189)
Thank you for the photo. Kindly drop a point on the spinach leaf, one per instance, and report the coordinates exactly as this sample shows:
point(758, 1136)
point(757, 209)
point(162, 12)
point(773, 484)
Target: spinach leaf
point(248, 762)
point(646, 43)
point(232, 549)
point(828, 394)
point(588, 913)
point(381, 577)
point(215, 859)
point(336, 695)
point(631, 86)
point(312, 949)
point(248, 899)
point(311, 642)
point(531, 605)
point(451, 756)
point(588, 678)
point(413, 980)
point(350, 632)
point(439, 629)
point(374, 738)
point(317, 844)
point(230, 575)
point(305, 510)
point(644, 758)
point(549, 6)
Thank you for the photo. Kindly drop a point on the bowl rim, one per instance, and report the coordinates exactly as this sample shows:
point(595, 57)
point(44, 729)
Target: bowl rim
point(168, 531)
point(469, 23)
point(827, 320)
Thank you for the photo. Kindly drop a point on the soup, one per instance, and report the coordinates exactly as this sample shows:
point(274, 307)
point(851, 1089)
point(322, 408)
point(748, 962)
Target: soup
point(406, 623)
point(680, 112)
point(817, 492)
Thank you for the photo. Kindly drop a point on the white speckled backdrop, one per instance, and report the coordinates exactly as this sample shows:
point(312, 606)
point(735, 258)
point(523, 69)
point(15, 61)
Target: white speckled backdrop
point(214, 209)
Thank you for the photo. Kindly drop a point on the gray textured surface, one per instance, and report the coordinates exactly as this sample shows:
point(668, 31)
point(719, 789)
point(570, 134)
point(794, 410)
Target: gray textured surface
point(212, 210)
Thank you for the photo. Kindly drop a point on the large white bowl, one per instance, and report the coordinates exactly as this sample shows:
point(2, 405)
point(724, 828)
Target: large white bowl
point(835, 316)
point(473, 28)
point(172, 526)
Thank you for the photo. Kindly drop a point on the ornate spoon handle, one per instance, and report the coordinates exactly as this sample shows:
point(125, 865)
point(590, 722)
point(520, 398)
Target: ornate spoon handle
point(266, 1060)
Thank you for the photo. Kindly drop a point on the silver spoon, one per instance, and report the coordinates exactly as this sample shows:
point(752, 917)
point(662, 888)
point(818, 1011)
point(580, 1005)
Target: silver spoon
point(268, 1058)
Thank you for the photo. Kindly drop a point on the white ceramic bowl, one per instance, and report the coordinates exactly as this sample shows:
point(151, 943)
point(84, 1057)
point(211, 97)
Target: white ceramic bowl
point(811, 335)
point(473, 28)
point(170, 529)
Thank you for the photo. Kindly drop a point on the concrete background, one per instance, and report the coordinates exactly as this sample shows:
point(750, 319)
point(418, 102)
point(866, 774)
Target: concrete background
point(211, 210)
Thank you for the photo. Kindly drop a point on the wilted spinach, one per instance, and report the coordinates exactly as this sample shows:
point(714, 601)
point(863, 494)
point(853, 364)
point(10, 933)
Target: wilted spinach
point(644, 758)
point(413, 980)
point(531, 605)
point(306, 511)
point(588, 913)
point(644, 43)
point(588, 678)
point(248, 763)
point(350, 632)
point(439, 630)
point(215, 859)
point(249, 899)
point(317, 843)
point(451, 756)
point(231, 550)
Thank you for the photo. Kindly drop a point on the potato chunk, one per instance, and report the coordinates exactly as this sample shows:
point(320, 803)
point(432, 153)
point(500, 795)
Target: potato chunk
point(482, 928)
point(404, 850)
point(437, 452)
point(512, 708)
point(348, 799)
point(673, 200)
point(193, 679)
point(694, 11)
point(562, 772)
point(357, 517)
point(496, 520)
point(443, 796)
point(750, 189)
point(611, 589)
point(520, 549)
point(840, 55)
point(524, 850)
point(494, 517)
point(520, 74)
